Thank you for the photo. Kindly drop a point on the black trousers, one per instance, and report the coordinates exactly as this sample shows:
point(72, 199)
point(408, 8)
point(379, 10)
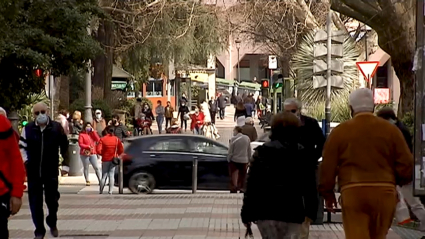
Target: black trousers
point(183, 121)
point(213, 113)
point(36, 186)
point(167, 122)
point(4, 215)
point(221, 113)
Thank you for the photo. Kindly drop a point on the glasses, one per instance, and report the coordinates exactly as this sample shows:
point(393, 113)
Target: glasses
point(292, 111)
point(98, 113)
point(41, 111)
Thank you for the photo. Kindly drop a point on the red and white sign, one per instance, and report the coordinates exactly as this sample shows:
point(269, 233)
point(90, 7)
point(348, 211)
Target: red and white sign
point(368, 68)
point(382, 95)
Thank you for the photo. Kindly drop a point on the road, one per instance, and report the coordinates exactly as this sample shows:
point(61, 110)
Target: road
point(162, 215)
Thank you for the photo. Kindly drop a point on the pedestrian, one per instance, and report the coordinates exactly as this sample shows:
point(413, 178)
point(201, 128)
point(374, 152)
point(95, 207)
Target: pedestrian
point(197, 121)
point(184, 115)
point(240, 114)
point(109, 147)
point(137, 110)
point(260, 106)
point(160, 114)
point(205, 109)
point(99, 123)
point(369, 157)
point(238, 157)
point(249, 130)
point(147, 111)
point(221, 103)
point(183, 99)
point(415, 203)
point(210, 131)
point(213, 106)
point(63, 120)
point(249, 104)
point(77, 123)
point(169, 111)
point(120, 130)
point(87, 140)
point(278, 169)
point(12, 175)
point(40, 143)
point(312, 139)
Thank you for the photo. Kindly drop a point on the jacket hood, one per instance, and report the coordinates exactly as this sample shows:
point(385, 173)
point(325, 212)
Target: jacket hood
point(4, 124)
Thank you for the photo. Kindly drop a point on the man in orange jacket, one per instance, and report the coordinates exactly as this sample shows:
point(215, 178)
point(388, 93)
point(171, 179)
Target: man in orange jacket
point(12, 175)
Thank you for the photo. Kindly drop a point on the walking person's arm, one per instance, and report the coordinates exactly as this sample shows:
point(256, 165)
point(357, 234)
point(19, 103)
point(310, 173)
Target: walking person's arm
point(23, 145)
point(64, 144)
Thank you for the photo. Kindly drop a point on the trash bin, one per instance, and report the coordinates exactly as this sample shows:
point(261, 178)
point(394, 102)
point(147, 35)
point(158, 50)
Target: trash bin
point(75, 165)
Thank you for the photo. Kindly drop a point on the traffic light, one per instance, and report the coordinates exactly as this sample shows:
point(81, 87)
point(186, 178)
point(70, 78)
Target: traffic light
point(39, 73)
point(24, 121)
point(278, 83)
point(265, 84)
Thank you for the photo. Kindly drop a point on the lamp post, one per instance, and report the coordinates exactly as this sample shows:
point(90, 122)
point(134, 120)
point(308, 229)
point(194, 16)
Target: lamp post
point(238, 47)
point(87, 89)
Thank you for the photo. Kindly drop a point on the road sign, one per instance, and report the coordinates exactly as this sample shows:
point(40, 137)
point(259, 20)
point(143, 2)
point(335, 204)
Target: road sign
point(368, 68)
point(272, 62)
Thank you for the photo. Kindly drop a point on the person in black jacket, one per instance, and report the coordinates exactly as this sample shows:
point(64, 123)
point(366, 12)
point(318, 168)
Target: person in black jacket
point(313, 139)
point(280, 191)
point(40, 142)
point(120, 130)
point(221, 101)
point(388, 113)
point(213, 105)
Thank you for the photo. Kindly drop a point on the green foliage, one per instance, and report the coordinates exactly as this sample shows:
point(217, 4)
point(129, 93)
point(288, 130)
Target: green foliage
point(314, 99)
point(26, 110)
point(183, 31)
point(408, 121)
point(96, 104)
point(48, 35)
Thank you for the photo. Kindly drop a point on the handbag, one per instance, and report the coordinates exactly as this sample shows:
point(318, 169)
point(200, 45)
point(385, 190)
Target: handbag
point(115, 159)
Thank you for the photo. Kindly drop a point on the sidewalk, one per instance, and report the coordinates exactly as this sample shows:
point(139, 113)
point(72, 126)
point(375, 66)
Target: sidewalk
point(211, 215)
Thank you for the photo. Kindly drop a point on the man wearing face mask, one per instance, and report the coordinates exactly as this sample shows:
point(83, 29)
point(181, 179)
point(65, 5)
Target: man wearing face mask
point(119, 129)
point(99, 123)
point(40, 143)
point(312, 138)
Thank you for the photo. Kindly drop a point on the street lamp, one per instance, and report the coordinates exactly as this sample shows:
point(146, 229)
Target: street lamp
point(238, 47)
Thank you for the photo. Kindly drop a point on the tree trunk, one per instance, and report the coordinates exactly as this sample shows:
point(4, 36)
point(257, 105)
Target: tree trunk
point(407, 86)
point(64, 92)
point(109, 56)
point(99, 62)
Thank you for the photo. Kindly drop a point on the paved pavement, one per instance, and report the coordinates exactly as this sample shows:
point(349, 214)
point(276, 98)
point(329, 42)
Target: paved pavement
point(162, 215)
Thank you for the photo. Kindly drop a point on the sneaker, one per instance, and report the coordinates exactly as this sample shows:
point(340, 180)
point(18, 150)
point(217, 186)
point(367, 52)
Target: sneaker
point(88, 183)
point(54, 231)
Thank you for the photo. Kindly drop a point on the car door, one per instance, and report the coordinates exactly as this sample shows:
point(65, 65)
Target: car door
point(213, 173)
point(173, 163)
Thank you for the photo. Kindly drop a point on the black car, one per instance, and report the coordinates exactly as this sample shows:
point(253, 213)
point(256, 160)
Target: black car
point(166, 162)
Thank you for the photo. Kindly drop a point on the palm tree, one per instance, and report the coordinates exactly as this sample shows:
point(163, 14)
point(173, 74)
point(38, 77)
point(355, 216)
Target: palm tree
point(314, 99)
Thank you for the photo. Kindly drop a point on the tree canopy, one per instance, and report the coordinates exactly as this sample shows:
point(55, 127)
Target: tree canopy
point(47, 35)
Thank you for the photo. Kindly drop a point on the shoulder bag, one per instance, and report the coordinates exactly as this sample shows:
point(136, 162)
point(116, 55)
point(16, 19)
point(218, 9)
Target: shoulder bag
point(115, 159)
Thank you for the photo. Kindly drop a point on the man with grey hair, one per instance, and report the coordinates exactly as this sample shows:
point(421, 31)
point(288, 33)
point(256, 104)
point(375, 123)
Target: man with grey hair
point(370, 157)
point(40, 143)
point(249, 130)
point(313, 139)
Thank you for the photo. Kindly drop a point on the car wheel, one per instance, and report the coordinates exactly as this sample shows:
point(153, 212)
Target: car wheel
point(141, 183)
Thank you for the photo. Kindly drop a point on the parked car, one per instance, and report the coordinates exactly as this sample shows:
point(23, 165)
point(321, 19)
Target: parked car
point(166, 162)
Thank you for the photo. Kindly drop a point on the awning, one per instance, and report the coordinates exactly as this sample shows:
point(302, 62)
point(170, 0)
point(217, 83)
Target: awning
point(120, 73)
point(224, 82)
point(249, 85)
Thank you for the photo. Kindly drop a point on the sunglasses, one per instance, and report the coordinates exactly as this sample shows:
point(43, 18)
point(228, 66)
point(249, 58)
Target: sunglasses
point(98, 113)
point(292, 111)
point(40, 112)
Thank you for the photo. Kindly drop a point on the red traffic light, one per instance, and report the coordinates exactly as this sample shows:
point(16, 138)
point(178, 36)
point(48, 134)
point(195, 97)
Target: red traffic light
point(39, 73)
point(265, 84)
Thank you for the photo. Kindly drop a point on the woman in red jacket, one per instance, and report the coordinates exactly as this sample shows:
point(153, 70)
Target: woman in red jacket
point(109, 147)
point(87, 140)
point(197, 121)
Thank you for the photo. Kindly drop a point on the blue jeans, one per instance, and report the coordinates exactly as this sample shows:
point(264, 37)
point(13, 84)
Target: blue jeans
point(108, 170)
point(160, 121)
point(87, 160)
point(197, 131)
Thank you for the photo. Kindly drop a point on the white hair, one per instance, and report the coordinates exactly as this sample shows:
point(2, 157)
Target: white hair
point(3, 112)
point(293, 101)
point(248, 120)
point(361, 100)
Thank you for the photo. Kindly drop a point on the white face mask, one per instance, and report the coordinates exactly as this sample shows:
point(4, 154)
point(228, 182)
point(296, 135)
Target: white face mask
point(98, 116)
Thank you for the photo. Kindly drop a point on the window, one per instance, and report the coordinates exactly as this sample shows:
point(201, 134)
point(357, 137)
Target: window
point(172, 145)
point(208, 148)
point(154, 88)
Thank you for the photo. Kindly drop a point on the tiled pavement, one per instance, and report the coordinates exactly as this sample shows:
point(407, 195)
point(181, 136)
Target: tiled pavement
point(166, 216)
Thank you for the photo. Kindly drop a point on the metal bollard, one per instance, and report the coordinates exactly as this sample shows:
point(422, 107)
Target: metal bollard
point(195, 174)
point(121, 177)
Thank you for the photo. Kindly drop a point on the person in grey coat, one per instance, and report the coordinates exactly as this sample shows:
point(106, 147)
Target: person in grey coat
point(238, 157)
